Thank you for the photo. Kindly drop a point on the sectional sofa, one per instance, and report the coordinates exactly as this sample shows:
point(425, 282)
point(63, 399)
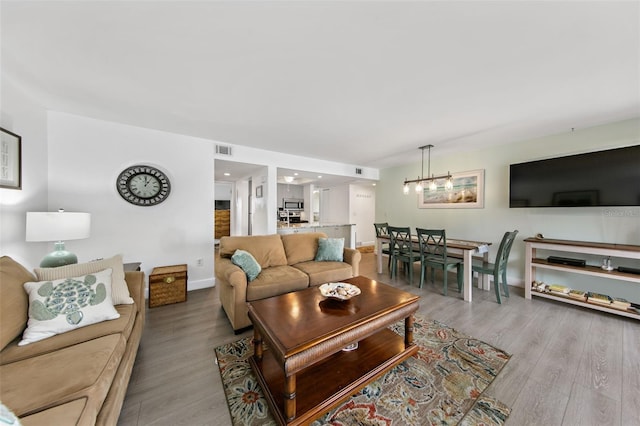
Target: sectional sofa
point(73, 377)
point(286, 263)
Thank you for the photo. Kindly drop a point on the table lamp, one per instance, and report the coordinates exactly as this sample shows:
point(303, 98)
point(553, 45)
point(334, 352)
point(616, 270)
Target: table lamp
point(58, 226)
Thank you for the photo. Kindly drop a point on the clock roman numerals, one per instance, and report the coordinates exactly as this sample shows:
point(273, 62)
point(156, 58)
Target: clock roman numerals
point(143, 185)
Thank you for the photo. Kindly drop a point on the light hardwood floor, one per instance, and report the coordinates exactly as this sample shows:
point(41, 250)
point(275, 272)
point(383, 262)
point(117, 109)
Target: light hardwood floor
point(570, 365)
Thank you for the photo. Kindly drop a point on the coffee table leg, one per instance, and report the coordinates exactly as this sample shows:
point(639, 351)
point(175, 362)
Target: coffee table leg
point(290, 397)
point(408, 331)
point(257, 344)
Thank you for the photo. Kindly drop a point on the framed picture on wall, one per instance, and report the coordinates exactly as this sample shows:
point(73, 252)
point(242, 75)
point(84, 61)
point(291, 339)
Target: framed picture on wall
point(259, 191)
point(467, 192)
point(10, 160)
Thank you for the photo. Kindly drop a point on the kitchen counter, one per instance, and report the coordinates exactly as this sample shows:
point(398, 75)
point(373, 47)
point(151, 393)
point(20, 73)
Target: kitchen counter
point(333, 230)
point(285, 225)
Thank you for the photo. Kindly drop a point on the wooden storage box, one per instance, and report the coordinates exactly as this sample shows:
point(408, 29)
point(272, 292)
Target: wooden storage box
point(167, 284)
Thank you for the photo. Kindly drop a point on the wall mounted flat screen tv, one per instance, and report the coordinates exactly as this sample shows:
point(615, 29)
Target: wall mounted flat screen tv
point(600, 178)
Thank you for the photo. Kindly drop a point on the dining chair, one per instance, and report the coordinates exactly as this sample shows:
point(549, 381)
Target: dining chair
point(433, 252)
point(382, 230)
point(402, 249)
point(499, 268)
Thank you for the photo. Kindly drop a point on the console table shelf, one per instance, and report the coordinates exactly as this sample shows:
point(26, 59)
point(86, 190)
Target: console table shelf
point(532, 263)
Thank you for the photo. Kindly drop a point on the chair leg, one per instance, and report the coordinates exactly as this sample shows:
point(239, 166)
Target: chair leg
point(394, 265)
point(422, 268)
point(504, 282)
point(444, 279)
point(496, 284)
point(460, 273)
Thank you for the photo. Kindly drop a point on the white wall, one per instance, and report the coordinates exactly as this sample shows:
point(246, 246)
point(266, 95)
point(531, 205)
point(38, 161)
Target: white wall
point(223, 190)
point(261, 206)
point(85, 158)
point(25, 117)
point(614, 225)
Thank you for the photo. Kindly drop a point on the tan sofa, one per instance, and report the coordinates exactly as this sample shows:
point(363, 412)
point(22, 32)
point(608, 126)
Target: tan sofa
point(287, 263)
point(76, 378)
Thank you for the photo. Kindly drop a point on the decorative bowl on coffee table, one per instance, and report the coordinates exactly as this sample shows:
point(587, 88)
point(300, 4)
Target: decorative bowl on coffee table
point(339, 291)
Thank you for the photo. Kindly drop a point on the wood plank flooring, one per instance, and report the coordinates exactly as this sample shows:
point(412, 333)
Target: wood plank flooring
point(570, 365)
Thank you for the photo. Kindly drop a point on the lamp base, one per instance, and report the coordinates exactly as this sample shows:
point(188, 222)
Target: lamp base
point(58, 257)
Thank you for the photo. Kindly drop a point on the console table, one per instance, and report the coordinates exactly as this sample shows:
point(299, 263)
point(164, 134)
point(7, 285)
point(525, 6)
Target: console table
point(532, 263)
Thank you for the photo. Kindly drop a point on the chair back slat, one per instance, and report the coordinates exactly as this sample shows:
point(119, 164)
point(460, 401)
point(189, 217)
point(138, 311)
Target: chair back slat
point(433, 242)
point(400, 238)
point(382, 229)
point(504, 250)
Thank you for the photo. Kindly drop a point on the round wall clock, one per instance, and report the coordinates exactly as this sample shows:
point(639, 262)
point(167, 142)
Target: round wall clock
point(143, 185)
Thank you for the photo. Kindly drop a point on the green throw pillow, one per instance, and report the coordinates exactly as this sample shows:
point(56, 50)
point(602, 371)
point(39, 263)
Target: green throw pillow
point(330, 249)
point(247, 263)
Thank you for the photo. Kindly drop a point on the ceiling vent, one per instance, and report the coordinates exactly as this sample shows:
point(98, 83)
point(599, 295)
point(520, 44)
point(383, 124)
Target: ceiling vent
point(358, 171)
point(223, 150)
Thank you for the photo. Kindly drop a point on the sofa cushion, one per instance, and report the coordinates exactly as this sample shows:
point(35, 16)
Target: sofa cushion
point(301, 247)
point(119, 291)
point(70, 413)
point(275, 281)
point(63, 305)
point(325, 272)
point(266, 249)
point(83, 370)
point(330, 250)
point(123, 325)
point(14, 302)
point(247, 263)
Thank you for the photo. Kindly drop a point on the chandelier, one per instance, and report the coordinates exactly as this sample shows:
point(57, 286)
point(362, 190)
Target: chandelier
point(431, 181)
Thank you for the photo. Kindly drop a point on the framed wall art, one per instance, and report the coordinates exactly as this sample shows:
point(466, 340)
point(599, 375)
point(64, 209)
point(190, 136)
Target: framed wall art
point(10, 160)
point(467, 192)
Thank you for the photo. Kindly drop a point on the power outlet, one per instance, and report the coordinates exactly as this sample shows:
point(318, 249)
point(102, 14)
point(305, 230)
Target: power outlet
point(199, 262)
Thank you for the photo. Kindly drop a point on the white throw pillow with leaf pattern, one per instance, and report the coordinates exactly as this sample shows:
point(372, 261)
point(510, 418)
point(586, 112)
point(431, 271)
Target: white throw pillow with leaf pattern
point(63, 305)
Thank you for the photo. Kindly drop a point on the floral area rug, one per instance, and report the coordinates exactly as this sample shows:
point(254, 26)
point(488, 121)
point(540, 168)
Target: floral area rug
point(442, 384)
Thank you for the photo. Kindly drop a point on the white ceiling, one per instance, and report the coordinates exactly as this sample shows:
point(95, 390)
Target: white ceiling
point(359, 82)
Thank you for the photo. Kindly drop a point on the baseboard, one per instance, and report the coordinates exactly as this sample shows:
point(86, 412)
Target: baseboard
point(200, 284)
point(513, 282)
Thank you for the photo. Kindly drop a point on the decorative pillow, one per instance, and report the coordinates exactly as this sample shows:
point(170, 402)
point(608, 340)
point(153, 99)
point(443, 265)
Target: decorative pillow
point(330, 249)
point(120, 291)
point(247, 263)
point(63, 305)
point(7, 417)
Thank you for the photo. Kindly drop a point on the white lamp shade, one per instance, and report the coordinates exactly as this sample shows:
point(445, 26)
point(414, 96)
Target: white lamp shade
point(57, 226)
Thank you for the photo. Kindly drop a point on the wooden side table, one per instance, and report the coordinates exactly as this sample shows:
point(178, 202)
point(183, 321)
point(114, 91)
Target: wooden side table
point(167, 285)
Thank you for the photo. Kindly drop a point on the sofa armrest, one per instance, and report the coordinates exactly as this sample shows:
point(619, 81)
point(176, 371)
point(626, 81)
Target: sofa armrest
point(352, 257)
point(136, 283)
point(232, 290)
point(231, 274)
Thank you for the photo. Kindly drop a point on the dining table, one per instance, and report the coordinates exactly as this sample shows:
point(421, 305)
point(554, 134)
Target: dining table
point(466, 249)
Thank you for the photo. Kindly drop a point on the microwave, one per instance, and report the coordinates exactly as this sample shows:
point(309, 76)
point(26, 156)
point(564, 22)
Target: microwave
point(293, 203)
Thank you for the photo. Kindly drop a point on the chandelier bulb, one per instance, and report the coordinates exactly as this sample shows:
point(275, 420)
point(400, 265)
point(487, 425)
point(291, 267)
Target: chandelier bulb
point(449, 185)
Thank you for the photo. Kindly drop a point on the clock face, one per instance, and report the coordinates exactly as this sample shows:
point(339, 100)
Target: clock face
point(143, 185)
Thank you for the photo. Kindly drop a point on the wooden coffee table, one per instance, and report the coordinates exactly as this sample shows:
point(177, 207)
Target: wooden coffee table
point(302, 367)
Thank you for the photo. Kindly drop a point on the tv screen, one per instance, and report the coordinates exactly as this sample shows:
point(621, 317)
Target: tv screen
point(601, 178)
